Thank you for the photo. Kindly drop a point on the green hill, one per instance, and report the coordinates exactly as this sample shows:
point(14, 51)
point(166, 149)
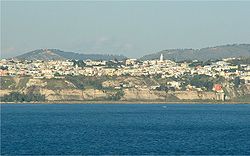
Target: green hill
point(55, 54)
point(218, 52)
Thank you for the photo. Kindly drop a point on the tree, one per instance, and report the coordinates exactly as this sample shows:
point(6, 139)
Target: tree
point(79, 63)
point(237, 81)
point(202, 81)
point(4, 67)
point(20, 97)
point(117, 96)
point(57, 74)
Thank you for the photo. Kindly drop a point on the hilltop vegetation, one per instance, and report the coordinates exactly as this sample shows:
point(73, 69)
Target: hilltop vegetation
point(214, 53)
point(218, 52)
point(56, 54)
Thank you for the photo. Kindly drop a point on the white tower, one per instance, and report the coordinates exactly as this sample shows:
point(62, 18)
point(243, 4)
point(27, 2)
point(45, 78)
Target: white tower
point(161, 57)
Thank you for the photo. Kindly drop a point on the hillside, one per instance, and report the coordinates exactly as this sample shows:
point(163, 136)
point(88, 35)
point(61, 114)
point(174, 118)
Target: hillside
point(55, 54)
point(218, 52)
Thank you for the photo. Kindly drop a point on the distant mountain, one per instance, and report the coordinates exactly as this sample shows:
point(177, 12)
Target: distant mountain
point(55, 54)
point(218, 52)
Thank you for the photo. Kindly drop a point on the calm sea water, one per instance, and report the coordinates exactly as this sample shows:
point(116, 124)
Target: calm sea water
point(47, 129)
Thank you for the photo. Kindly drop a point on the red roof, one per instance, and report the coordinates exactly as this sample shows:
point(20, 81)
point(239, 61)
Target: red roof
point(217, 87)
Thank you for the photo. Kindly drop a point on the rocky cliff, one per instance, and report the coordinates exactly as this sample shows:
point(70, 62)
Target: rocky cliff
point(63, 90)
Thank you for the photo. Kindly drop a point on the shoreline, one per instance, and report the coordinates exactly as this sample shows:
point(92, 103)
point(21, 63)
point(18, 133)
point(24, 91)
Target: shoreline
point(127, 102)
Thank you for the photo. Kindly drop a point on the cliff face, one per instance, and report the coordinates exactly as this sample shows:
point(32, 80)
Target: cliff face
point(73, 94)
point(194, 95)
point(5, 92)
point(141, 95)
point(63, 90)
point(235, 93)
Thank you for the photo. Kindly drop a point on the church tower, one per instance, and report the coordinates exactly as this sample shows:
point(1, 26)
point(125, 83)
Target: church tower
point(161, 57)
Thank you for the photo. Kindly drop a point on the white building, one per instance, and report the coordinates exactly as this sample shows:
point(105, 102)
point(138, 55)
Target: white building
point(161, 57)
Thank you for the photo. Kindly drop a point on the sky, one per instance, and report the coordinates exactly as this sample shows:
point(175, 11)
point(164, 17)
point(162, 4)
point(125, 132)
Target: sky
point(129, 28)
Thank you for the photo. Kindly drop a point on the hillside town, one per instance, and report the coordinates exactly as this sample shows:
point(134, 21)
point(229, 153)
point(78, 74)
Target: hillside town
point(166, 75)
point(131, 67)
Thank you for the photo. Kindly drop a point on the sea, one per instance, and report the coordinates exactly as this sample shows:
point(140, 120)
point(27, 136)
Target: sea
point(125, 129)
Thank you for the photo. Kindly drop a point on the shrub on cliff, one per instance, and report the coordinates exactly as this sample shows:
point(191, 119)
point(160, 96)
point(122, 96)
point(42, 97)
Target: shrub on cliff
point(117, 96)
point(19, 97)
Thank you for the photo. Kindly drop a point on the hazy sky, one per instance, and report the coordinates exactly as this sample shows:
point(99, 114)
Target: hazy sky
point(129, 28)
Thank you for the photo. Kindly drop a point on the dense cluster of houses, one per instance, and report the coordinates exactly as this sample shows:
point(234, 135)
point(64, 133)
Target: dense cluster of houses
point(130, 67)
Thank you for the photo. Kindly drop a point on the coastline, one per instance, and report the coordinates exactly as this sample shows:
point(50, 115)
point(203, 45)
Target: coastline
point(128, 102)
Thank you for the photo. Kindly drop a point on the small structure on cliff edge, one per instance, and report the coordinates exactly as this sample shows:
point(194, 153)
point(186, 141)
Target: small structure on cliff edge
point(220, 95)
